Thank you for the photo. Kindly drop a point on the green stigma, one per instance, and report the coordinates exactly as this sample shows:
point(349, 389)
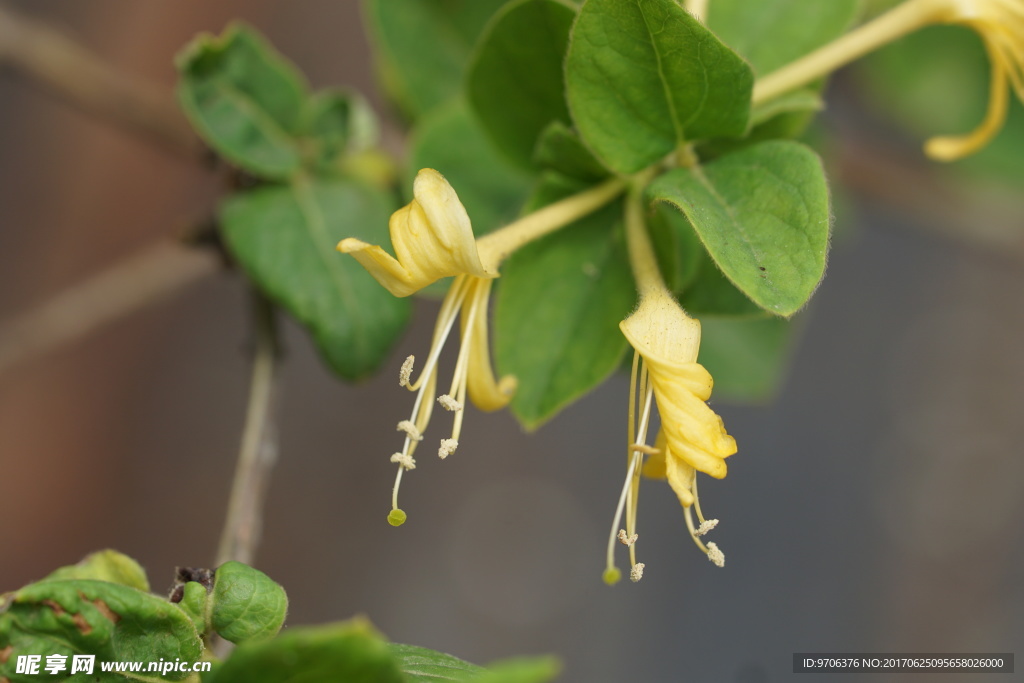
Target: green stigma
point(396, 517)
point(611, 576)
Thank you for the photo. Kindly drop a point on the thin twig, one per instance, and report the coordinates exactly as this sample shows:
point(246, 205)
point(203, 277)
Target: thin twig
point(258, 452)
point(76, 75)
point(138, 281)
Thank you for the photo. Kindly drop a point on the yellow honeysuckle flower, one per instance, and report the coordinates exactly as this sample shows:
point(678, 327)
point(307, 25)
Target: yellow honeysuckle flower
point(433, 238)
point(999, 24)
point(668, 340)
point(665, 373)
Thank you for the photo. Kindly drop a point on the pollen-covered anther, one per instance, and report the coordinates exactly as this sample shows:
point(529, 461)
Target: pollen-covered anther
point(627, 540)
point(405, 373)
point(405, 460)
point(448, 447)
point(705, 526)
point(409, 428)
point(637, 572)
point(449, 403)
point(716, 555)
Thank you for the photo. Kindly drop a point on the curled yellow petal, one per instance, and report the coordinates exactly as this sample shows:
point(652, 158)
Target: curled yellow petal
point(664, 464)
point(668, 341)
point(432, 237)
point(951, 148)
point(486, 392)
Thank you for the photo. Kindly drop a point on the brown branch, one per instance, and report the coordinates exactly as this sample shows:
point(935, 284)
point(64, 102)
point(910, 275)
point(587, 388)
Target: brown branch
point(258, 451)
point(77, 76)
point(140, 280)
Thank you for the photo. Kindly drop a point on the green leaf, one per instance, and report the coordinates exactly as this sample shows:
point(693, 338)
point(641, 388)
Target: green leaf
point(246, 603)
point(763, 214)
point(352, 652)
point(747, 358)
point(515, 82)
point(689, 271)
point(797, 101)
point(421, 665)
point(338, 122)
point(710, 292)
point(108, 620)
point(772, 33)
point(422, 46)
point(105, 565)
point(451, 141)
point(194, 603)
point(676, 246)
point(285, 238)
point(559, 304)
point(560, 149)
point(643, 76)
point(244, 99)
point(521, 670)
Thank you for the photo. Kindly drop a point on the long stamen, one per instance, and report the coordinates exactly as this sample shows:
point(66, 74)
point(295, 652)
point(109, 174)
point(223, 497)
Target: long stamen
point(611, 573)
point(458, 389)
point(693, 531)
point(445, 321)
point(712, 550)
point(638, 447)
point(630, 488)
point(425, 384)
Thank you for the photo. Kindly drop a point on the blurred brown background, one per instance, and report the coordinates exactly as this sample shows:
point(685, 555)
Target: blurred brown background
point(876, 505)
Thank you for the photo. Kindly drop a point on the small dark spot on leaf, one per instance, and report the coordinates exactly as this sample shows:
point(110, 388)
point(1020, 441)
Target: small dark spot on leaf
point(762, 268)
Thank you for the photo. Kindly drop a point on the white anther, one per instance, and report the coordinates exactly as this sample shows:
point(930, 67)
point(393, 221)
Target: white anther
point(449, 403)
point(409, 428)
point(716, 556)
point(627, 540)
point(637, 572)
point(405, 460)
point(448, 447)
point(705, 526)
point(405, 374)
